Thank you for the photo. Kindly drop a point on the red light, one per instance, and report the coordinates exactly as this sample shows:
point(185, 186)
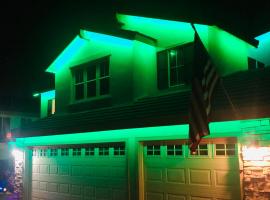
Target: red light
point(9, 135)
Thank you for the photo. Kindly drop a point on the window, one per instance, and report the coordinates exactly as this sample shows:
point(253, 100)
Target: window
point(91, 80)
point(76, 152)
point(35, 152)
point(51, 107)
point(174, 150)
point(202, 150)
point(225, 149)
point(43, 152)
point(119, 150)
point(255, 64)
point(103, 151)
point(4, 125)
point(153, 150)
point(53, 152)
point(64, 152)
point(90, 151)
point(174, 65)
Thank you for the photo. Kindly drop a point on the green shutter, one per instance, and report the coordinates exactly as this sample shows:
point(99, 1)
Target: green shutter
point(162, 70)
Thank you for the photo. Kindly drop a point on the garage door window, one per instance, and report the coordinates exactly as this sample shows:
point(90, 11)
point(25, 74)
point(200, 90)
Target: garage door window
point(77, 152)
point(153, 150)
point(202, 150)
point(103, 151)
point(174, 150)
point(225, 149)
point(90, 151)
point(64, 152)
point(53, 152)
point(35, 152)
point(43, 152)
point(119, 150)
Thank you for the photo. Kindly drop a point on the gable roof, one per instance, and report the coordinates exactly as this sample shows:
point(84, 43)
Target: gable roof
point(247, 90)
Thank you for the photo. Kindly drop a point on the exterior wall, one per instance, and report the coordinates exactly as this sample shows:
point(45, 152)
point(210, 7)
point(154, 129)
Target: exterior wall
point(256, 167)
point(45, 97)
point(121, 63)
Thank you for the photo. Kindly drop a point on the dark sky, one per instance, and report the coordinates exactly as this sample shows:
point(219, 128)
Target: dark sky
point(35, 32)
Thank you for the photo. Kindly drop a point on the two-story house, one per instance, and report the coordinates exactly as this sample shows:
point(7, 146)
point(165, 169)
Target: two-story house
point(116, 126)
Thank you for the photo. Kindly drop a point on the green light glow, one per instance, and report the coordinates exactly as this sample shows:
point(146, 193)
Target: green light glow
point(166, 32)
point(217, 129)
point(89, 35)
point(265, 36)
point(36, 95)
point(48, 95)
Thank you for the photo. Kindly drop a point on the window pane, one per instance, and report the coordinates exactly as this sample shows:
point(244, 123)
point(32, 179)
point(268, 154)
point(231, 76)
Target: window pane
point(79, 76)
point(220, 152)
point(220, 146)
point(204, 152)
point(91, 73)
point(230, 146)
point(91, 89)
point(79, 94)
point(230, 152)
point(104, 68)
point(104, 86)
point(172, 57)
point(173, 77)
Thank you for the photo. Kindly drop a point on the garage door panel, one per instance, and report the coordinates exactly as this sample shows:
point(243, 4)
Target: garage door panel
point(176, 175)
point(154, 196)
point(225, 178)
point(175, 197)
point(200, 177)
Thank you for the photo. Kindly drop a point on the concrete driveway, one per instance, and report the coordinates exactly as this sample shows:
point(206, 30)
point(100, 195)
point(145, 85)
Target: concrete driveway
point(8, 196)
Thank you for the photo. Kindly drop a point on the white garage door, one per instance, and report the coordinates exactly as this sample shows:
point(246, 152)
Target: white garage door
point(171, 173)
point(80, 172)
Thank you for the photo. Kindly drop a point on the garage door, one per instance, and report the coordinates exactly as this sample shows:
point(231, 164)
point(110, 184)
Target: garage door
point(171, 173)
point(80, 172)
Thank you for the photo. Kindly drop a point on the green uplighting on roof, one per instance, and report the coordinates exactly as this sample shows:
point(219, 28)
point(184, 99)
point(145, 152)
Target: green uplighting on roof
point(80, 43)
point(166, 32)
point(48, 95)
point(265, 36)
point(36, 94)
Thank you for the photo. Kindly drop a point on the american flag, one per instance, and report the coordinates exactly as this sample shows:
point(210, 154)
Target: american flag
point(204, 80)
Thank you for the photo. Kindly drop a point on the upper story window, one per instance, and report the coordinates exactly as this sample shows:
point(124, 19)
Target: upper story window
point(92, 80)
point(254, 64)
point(174, 65)
point(51, 107)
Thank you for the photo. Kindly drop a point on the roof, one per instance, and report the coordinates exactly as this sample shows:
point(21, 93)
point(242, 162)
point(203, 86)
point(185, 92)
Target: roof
point(248, 91)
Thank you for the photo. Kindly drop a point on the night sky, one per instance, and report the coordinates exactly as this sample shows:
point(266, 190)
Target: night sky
point(35, 32)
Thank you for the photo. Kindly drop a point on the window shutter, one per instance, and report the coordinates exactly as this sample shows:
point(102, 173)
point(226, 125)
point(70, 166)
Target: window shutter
point(188, 52)
point(162, 70)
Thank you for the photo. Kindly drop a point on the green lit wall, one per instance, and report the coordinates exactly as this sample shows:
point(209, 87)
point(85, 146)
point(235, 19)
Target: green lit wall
point(242, 129)
point(144, 69)
point(228, 52)
point(44, 98)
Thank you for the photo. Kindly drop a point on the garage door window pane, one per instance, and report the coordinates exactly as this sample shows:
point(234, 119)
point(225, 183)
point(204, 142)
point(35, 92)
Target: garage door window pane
point(76, 152)
point(35, 152)
point(153, 150)
point(64, 152)
point(174, 150)
point(90, 151)
point(103, 151)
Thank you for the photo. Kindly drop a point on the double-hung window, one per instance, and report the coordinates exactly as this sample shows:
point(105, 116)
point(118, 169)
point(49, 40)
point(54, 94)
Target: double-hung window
point(174, 66)
point(92, 79)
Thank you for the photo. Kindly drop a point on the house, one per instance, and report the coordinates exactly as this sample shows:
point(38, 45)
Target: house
point(116, 125)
